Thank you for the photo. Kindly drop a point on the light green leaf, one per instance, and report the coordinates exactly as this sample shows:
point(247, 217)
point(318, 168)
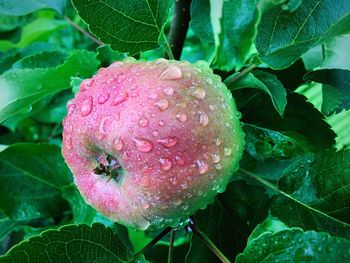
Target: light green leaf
point(31, 176)
point(340, 123)
point(113, 21)
point(337, 53)
point(264, 81)
point(294, 245)
point(71, 243)
point(38, 30)
point(22, 87)
point(284, 36)
point(23, 7)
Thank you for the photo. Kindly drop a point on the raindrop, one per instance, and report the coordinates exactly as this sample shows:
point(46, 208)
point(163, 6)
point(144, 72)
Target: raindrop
point(215, 157)
point(143, 122)
point(227, 151)
point(203, 118)
point(202, 166)
point(155, 133)
point(118, 144)
point(184, 186)
point(179, 160)
point(86, 106)
point(71, 108)
point(171, 73)
point(103, 98)
point(217, 141)
point(161, 123)
point(106, 125)
point(211, 107)
point(153, 96)
point(168, 91)
point(116, 64)
point(165, 164)
point(162, 104)
point(121, 97)
point(196, 92)
point(161, 61)
point(238, 115)
point(143, 145)
point(168, 142)
point(181, 117)
point(177, 201)
point(145, 205)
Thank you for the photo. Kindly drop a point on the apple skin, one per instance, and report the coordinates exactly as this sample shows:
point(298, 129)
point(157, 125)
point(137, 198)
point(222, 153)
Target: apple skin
point(171, 127)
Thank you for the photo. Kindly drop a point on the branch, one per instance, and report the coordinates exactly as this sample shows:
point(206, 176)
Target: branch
point(171, 246)
point(179, 27)
point(241, 74)
point(76, 26)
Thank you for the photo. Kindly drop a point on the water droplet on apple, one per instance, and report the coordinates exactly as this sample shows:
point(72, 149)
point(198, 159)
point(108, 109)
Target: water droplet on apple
point(161, 61)
point(168, 142)
point(155, 133)
point(179, 160)
point(217, 141)
point(161, 123)
point(203, 167)
point(203, 118)
point(102, 98)
point(215, 157)
point(177, 201)
point(153, 96)
point(168, 91)
point(181, 117)
point(86, 106)
point(197, 92)
point(165, 164)
point(143, 145)
point(227, 151)
point(107, 125)
point(171, 73)
point(116, 64)
point(143, 122)
point(162, 104)
point(71, 108)
point(120, 98)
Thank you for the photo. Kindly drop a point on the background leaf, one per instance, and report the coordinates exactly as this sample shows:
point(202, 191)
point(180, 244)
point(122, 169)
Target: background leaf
point(23, 7)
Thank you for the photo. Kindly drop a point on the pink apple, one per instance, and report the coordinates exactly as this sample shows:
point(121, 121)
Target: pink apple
point(150, 143)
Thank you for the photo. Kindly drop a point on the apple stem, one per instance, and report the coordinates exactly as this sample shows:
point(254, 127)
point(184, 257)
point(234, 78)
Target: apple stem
point(171, 246)
point(153, 241)
point(179, 27)
point(205, 239)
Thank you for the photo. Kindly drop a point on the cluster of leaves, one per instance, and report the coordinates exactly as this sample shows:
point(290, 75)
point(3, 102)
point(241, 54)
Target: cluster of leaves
point(288, 67)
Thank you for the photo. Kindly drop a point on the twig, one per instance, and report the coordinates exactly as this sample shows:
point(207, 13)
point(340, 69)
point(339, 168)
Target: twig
point(205, 239)
point(179, 27)
point(241, 74)
point(154, 241)
point(76, 26)
point(171, 246)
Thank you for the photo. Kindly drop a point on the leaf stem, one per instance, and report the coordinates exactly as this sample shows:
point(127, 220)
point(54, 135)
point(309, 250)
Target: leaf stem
point(76, 26)
point(179, 27)
point(240, 75)
point(153, 241)
point(205, 239)
point(171, 246)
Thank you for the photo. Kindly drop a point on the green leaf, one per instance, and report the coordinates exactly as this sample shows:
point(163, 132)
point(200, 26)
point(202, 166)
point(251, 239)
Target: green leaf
point(301, 121)
point(9, 22)
point(38, 30)
point(284, 36)
point(107, 56)
point(264, 81)
point(338, 78)
point(6, 226)
point(71, 243)
point(200, 20)
point(31, 176)
point(294, 245)
point(337, 53)
point(237, 211)
point(23, 7)
point(340, 123)
point(314, 193)
point(313, 58)
point(112, 22)
point(23, 87)
point(264, 143)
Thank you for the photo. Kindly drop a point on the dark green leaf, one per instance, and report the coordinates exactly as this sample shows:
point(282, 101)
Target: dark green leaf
point(8, 22)
point(300, 121)
point(200, 20)
point(264, 81)
point(72, 243)
point(23, 7)
point(6, 226)
point(294, 245)
point(284, 36)
point(107, 56)
point(112, 22)
point(319, 189)
point(23, 87)
point(264, 143)
point(340, 123)
point(31, 176)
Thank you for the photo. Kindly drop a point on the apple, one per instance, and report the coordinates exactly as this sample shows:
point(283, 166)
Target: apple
point(150, 143)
